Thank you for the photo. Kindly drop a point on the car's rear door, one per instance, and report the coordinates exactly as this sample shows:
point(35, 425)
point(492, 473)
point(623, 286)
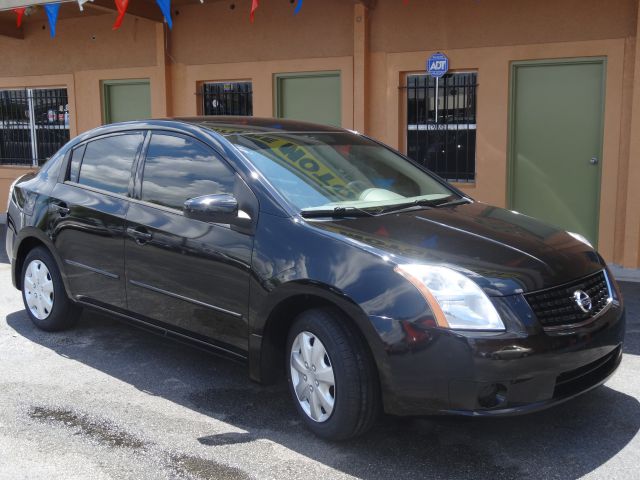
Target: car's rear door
point(88, 216)
point(185, 273)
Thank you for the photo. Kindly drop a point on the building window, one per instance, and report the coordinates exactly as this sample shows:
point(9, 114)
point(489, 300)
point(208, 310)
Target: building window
point(34, 124)
point(234, 98)
point(441, 124)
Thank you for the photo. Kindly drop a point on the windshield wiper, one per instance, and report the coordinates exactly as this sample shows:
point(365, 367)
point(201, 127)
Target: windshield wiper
point(408, 205)
point(458, 201)
point(339, 212)
point(423, 202)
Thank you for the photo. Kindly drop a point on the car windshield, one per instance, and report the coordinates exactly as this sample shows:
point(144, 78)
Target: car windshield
point(337, 171)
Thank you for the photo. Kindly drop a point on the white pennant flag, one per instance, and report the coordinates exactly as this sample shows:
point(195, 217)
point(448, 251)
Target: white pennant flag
point(82, 2)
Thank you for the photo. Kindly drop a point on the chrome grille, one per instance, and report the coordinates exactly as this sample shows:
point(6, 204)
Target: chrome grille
point(556, 307)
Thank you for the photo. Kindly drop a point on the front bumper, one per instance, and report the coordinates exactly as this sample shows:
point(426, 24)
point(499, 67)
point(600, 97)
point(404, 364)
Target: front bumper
point(522, 370)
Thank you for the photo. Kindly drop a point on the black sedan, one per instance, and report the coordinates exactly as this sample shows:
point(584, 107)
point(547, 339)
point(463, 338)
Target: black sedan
point(319, 253)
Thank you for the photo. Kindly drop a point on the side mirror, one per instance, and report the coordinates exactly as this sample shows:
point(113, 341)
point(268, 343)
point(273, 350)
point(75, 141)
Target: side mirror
point(219, 208)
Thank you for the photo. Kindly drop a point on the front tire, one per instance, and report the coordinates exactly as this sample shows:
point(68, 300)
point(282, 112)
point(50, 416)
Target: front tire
point(331, 376)
point(43, 293)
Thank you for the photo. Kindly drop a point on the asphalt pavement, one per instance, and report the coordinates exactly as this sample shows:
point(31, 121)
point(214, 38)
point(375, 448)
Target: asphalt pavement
point(109, 401)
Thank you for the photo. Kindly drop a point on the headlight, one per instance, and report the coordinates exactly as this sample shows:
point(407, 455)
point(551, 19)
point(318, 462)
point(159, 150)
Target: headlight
point(456, 301)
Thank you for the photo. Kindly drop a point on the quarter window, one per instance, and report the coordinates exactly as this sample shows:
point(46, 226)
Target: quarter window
point(179, 168)
point(107, 162)
point(441, 124)
point(234, 98)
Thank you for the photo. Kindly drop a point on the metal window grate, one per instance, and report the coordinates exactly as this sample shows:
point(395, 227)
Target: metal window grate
point(227, 98)
point(34, 124)
point(441, 124)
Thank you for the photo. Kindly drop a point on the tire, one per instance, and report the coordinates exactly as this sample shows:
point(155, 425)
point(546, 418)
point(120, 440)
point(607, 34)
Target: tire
point(352, 405)
point(44, 295)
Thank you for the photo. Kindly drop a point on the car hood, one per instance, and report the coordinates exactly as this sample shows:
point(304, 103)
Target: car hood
point(503, 251)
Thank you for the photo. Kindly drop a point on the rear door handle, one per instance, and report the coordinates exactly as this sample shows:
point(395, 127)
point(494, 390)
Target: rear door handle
point(139, 234)
point(61, 208)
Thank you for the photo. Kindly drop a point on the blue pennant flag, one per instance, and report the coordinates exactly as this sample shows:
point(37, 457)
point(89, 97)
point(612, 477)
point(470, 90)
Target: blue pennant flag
point(165, 6)
point(298, 7)
point(52, 14)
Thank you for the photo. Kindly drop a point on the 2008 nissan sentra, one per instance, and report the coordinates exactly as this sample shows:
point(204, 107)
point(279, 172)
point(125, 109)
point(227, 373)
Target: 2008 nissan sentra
point(312, 251)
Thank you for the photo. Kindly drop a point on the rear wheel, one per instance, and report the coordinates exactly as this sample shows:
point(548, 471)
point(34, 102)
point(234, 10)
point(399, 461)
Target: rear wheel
point(331, 376)
point(43, 293)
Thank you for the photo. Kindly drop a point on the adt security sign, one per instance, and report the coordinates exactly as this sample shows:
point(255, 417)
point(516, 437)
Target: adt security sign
point(437, 65)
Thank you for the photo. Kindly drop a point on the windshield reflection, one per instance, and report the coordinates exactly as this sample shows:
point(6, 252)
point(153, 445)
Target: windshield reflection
point(322, 171)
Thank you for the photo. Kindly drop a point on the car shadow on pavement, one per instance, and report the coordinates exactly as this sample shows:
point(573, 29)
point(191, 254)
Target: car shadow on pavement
point(567, 441)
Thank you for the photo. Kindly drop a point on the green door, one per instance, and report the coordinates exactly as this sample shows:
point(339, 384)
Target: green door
point(314, 97)
point(556, 142)
point(125, 100)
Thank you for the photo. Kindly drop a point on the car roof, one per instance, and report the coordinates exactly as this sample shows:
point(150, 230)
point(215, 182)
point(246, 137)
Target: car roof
point(229, 125)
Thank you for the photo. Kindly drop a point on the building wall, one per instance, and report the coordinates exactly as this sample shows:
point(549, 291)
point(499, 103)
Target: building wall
point(459, 24)
point(374, 50)
point(214, 33)
point(81, 43)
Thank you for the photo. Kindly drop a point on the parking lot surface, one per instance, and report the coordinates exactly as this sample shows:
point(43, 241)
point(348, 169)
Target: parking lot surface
point(107, 400)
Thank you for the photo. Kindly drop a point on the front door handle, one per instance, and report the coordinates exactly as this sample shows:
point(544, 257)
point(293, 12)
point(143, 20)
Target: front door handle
point(594, 160)
point(139, 234)
point(61, 208)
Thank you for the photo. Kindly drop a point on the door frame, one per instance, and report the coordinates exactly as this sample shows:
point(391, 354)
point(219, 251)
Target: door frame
point(277, 87)
point(104, 94)
point(600, 60)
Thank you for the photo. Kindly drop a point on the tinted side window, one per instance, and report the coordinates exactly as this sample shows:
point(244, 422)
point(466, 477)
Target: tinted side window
point(107, 162)
point(76, 158)
point(178, 168)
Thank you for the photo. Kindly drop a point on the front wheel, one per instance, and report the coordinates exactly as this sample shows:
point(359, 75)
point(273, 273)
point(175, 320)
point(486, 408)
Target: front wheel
point(43, 293)
point(331, 376)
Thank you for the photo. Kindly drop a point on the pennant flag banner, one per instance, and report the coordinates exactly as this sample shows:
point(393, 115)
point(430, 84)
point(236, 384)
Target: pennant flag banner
point(254, 7)
point(20, 13)
point(121, 5)
point(165, 6)
point(52, 10)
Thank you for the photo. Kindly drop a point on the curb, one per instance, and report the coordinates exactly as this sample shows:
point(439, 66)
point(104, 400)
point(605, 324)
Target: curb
point(625, 274)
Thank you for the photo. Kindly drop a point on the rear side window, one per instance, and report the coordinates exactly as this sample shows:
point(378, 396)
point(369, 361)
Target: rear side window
point(179, 168)
point(107, 162)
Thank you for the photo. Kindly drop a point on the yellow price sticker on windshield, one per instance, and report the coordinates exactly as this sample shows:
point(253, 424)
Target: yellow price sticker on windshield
point(305, 165)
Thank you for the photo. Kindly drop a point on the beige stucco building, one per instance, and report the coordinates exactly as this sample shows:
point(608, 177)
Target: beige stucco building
point(372, 49)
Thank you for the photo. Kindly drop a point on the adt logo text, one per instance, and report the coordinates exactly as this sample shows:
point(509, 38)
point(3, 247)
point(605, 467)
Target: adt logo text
point(437, 65)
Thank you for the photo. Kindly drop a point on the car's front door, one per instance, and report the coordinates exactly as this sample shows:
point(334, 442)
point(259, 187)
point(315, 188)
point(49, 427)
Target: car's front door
point(188, 274)
point(88, 212)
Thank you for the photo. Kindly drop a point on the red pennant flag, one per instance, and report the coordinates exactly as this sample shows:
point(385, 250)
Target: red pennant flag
point(254, 7)
point(121, 5)
point(20, 13)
